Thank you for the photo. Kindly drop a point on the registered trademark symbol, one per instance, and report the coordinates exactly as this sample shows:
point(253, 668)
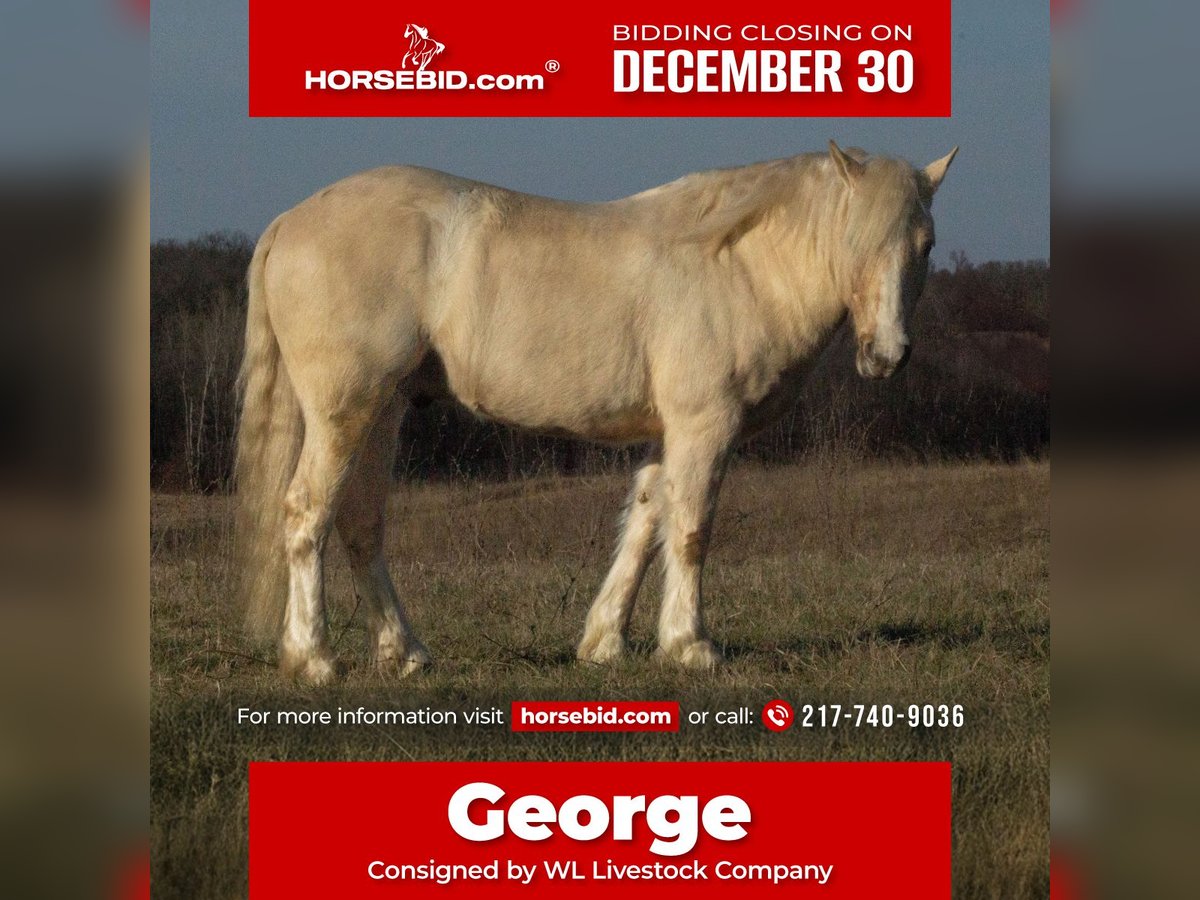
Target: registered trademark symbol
point(552, 65)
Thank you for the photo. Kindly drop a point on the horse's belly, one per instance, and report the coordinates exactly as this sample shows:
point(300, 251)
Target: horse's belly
point(558, 397)
point(606, 426)
point(537, 343)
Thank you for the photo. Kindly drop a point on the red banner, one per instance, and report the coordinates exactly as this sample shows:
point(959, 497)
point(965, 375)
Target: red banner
point(844, 830)
point(698, 58)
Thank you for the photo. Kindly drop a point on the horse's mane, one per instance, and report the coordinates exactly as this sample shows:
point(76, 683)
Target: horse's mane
point(719, 202)
point(698, 186)
point(423, 32)
point(722, 204)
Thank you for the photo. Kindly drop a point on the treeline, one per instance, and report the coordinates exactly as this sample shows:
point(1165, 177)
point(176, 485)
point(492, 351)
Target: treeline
point(977, 386)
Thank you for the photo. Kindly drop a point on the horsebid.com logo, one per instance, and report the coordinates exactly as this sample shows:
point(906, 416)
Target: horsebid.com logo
point(421, 47)
point(413, 74)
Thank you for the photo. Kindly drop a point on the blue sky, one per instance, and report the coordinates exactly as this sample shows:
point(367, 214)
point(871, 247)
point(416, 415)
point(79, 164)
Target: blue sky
point(214, 168)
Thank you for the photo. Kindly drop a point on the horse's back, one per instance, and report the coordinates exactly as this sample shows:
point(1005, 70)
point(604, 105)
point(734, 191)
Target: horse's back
point(516, 294)
point(394, 189)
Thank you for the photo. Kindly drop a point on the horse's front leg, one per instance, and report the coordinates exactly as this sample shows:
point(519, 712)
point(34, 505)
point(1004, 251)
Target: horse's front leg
point(608, 620)
point(695, 455)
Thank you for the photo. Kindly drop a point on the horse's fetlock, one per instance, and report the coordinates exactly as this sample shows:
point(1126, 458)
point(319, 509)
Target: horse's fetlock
point(311, 667)
point(695, 654)
point(400, 656)
point(601, 647)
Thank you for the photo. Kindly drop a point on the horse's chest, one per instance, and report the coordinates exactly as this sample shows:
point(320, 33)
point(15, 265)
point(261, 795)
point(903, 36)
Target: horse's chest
point(779, 398)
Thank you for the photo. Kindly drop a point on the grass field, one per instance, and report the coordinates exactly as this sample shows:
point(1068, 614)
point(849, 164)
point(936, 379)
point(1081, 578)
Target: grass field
point(828, 582)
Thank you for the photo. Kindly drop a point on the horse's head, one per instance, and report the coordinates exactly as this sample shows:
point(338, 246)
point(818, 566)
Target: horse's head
point(410, 30)
point(889, 236)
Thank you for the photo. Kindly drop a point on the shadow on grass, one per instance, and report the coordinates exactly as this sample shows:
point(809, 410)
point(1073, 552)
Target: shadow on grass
point(1022, 639)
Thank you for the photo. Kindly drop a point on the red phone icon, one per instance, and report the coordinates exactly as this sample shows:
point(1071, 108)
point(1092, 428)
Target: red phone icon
point(777, 715)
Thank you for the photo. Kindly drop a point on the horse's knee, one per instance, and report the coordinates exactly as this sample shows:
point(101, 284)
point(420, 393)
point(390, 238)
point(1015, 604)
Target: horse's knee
point(304, 532)
point(362, 541)
point(300, 539)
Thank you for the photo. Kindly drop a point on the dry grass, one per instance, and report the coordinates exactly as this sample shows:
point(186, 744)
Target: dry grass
point(829, 582)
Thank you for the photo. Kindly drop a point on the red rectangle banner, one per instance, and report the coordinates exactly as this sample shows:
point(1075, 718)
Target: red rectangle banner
point(594, 715)
point(672, 58)
point(847, 830)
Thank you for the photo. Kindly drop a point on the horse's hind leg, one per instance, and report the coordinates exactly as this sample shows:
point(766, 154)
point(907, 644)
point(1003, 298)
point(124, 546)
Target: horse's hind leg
point(608, 620)
point(360, 523)
point(331, 444)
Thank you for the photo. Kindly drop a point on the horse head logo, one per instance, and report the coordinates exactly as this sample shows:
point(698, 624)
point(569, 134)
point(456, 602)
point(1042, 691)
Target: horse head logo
point(421, 47)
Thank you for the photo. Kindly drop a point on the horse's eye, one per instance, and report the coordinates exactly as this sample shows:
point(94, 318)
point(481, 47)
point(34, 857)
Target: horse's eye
point(926, 247)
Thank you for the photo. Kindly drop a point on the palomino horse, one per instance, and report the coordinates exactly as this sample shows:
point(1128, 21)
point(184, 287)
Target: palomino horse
point(421, 47)
point(685, 317)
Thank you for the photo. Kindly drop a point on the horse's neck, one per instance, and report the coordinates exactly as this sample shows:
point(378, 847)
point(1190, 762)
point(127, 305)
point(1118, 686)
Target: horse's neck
point(803, 305)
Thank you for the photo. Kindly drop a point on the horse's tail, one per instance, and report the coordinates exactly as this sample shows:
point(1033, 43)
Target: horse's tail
point(270, 433)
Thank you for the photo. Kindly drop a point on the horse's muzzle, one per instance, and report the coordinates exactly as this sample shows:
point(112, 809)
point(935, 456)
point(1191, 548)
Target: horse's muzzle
point(874, 366)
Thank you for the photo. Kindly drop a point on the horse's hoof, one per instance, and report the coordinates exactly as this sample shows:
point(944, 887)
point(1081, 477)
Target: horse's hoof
point(606, 648)
point(403, 663)
point(314, 670)
point(699, 654)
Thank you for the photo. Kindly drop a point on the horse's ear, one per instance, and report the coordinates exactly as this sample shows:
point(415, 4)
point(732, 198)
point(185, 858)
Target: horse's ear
point(848, 167)
point(936, 171)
